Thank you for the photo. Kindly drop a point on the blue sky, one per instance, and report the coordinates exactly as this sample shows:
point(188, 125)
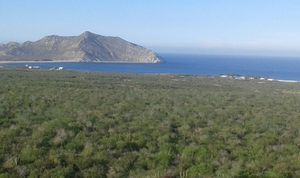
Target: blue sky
point(241, 27)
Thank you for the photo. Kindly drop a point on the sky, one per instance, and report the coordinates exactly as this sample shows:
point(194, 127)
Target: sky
point(231, 27)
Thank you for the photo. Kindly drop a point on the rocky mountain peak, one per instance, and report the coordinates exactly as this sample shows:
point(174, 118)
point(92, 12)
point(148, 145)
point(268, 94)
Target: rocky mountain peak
point(87, 47)
point(87, 33)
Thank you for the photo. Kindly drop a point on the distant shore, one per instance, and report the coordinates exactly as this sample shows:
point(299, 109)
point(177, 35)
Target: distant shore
point(7, 62)
point(62, 61)
point(185, 65)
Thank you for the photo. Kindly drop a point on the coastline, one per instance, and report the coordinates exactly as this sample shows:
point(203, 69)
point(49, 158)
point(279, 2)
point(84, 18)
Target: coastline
point(289, 81)
point(63, 61)
point(24, 62)
point(221, 77)
point(199, 65)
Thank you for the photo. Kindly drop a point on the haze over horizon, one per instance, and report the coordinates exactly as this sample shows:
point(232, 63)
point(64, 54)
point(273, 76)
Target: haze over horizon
point(249, 27)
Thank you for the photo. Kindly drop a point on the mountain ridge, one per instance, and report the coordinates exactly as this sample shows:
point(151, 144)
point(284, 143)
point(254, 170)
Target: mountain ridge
point(87, 47)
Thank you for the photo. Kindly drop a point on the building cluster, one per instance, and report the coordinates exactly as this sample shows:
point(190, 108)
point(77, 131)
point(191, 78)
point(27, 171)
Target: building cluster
point(239, 77)
point(32, 67)
point(56, 68)
point(37, 67)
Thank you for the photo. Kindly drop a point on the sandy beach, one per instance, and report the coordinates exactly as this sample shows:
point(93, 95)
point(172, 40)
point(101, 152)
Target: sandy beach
point(5, 62)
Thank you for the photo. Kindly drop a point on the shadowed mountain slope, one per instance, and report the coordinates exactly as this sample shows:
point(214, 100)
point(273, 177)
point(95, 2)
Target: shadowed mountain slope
point(87, 47)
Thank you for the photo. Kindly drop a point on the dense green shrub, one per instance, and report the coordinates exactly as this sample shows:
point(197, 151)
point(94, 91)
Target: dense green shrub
point(89, 124)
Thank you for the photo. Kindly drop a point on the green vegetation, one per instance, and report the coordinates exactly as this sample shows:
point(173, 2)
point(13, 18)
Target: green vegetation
point(88, 124)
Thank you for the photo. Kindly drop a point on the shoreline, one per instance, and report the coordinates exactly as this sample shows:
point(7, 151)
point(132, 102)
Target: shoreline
point(288, 81)
point(130, 62)
point(24, 62)
point(62, 61)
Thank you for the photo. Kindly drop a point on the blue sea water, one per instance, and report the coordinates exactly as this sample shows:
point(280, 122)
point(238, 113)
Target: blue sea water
point(280, 68)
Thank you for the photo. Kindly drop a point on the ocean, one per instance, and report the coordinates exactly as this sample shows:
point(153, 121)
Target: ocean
point(279, 68)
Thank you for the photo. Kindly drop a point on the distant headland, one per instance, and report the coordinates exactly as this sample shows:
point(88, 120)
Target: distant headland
point(87, 47)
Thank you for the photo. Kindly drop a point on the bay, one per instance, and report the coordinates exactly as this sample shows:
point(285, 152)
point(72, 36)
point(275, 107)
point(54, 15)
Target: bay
point(279, 68)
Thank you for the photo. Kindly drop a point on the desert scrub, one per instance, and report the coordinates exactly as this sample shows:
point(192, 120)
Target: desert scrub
point(92, 124)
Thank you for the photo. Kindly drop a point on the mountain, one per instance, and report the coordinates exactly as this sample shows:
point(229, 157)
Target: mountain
point(87, 47)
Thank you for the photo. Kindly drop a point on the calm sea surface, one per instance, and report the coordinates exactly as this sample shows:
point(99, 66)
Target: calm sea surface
point(280, 68)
